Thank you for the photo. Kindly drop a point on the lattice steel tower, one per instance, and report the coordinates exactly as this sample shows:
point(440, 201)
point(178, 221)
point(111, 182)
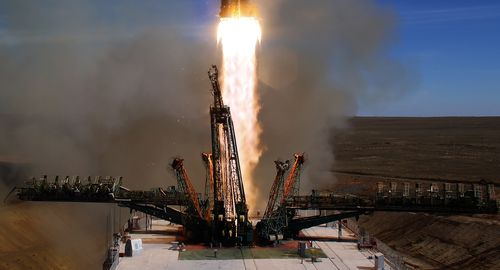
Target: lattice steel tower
point(230, 213)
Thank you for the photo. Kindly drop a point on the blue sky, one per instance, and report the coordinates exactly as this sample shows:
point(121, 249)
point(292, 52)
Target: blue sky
point(455, 46)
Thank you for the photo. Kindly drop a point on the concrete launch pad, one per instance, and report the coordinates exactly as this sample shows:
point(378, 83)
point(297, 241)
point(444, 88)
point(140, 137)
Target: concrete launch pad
point(337, 255)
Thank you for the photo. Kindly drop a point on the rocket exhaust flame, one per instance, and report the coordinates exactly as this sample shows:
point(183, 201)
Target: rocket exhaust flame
point(239, 37)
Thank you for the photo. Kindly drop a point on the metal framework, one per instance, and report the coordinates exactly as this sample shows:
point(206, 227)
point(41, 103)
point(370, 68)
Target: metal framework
point(292, 183)
point(209, 185)
point(282, 221)
point(275, 220)
point(230, 223)
point(276, 193)
point(184, 184)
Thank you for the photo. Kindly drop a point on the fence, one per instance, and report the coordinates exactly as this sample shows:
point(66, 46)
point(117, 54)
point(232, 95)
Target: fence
point(392, 257)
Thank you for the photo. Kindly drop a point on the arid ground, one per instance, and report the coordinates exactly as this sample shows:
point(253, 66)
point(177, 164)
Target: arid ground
point(456, 148)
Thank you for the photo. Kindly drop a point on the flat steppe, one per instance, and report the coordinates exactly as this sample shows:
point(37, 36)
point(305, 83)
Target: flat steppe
point(446, 148)
point(455, 148)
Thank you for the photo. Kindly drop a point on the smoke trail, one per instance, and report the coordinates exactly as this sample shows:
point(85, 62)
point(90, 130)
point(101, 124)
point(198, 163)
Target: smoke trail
point(317, 62)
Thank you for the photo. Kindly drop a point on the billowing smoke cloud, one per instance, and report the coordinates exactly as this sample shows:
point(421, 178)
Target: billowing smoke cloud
point(318, 61)
point(80, 97)
point(119, 89)
point(91, 88)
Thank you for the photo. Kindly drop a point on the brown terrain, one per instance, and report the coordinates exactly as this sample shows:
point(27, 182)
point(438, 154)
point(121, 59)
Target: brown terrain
point(457, 148)
point(58, 236)
point(52, 236)
point(450, 148)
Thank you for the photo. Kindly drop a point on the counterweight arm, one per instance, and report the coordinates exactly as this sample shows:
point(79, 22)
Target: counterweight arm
point(185, 185)
point(277, 189)
point(291, 183)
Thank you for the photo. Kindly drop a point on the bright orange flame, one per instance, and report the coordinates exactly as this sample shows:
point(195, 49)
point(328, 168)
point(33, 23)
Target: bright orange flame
point(239, 37)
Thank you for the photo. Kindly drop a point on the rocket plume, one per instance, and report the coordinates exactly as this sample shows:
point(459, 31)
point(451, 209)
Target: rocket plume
point(239, 37)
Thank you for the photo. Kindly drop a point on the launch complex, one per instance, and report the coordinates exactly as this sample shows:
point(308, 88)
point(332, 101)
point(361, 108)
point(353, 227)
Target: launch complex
point(219, 216)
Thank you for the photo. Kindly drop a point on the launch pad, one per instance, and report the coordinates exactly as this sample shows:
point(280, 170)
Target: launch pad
point(332, 255)
point(220, 216)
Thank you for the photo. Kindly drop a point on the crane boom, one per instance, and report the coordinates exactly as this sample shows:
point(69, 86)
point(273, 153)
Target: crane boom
point(186, 186)
point(209, 183)
point(276, 192)
point(292, 182)
point(273, 224)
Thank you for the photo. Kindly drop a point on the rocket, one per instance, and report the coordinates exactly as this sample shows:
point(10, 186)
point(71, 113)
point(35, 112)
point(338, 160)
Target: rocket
point(236, 8)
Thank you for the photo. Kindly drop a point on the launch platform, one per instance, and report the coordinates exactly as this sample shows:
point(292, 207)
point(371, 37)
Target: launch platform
point(332, 255)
